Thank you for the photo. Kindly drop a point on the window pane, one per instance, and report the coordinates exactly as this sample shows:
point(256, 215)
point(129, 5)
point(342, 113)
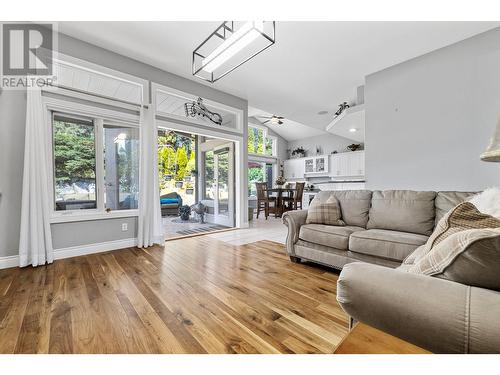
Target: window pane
point(269, 147)
point(269, 175)
point(74, 163)
point(121, 167)
point(259, 172)
point(209, 176)
point(177, 167)
point(255, 140)
point(223, 182)
point(255, 174)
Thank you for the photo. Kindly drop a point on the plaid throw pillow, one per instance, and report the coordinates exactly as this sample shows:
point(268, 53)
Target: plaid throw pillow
point(327, 213)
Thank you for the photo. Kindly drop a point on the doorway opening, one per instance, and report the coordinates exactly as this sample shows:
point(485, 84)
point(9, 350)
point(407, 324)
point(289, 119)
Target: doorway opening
point(196, 183)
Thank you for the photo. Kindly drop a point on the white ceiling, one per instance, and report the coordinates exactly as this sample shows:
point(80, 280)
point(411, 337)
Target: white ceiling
point(313, 66)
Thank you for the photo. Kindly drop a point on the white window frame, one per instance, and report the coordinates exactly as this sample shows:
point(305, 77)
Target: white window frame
point(265, 136)
point(100, 116)
point(194, 126)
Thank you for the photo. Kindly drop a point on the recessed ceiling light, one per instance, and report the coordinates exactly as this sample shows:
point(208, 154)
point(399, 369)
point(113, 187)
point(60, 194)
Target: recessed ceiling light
point(322, 112)
point(353, 130)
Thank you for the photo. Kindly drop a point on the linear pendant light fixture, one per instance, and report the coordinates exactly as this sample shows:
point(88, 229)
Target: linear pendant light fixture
point(231, 45)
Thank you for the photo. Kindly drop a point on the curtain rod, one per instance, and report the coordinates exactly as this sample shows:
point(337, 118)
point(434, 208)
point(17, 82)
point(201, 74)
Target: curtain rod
point(99, 96)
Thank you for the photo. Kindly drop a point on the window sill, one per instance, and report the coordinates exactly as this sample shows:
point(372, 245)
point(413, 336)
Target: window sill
point(252, 155)
point(74, 216)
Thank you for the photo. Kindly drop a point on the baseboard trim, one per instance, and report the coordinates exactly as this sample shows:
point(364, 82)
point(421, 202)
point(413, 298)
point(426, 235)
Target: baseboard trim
point(74, 251)
point(9, 261)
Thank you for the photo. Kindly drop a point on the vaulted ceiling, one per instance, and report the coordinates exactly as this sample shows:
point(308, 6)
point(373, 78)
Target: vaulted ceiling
point(313, 66)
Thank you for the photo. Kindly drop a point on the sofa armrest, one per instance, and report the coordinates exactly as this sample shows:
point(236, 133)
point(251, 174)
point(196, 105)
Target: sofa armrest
point(293, 220)
point(436, 314)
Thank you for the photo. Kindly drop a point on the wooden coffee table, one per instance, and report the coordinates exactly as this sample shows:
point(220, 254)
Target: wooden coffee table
point(364, 339)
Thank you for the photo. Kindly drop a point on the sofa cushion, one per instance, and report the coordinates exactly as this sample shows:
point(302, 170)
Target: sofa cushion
point(327, 212)
point(446, 200)
point(402, 210)
point(337, 258)
point(385, 243)
point(354, 205)
point(328, 235)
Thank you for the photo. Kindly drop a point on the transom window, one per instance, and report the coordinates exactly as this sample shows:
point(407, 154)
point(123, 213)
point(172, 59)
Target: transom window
point(96, 164)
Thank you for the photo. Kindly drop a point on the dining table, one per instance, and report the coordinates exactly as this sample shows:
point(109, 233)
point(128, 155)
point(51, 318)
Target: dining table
point(280, 191)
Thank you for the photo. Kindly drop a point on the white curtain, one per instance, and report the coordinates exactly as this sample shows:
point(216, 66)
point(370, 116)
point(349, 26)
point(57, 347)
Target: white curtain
point(35, 243)
point(150, 229)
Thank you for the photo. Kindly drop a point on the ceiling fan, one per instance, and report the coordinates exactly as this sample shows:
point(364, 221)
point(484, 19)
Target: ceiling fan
point(276, 120)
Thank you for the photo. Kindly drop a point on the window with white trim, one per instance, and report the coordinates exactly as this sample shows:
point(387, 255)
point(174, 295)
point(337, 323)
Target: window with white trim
point(260, 142)
point(95, 163)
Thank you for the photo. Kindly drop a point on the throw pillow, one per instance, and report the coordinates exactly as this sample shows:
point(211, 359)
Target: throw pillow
point(464, 216)
point(470, 257)
point(488, 202)
point(327, 212)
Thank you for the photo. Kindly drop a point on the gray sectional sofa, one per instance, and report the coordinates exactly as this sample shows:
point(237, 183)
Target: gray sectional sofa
point(382, 229)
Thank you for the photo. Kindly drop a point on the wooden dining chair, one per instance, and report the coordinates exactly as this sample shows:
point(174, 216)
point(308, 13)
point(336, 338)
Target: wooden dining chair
point(263, 199)
point(294, 202)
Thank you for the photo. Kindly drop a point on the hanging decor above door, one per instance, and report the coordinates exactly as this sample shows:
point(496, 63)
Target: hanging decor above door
point(198, 109)
point(232, 44)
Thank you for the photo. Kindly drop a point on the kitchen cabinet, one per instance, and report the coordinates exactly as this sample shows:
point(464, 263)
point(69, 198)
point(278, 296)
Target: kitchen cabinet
point(316, 165)
point(348, 164)
point(293, 169)
point(345, 164)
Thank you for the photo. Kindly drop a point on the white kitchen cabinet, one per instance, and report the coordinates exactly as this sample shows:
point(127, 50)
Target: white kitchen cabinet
point(339, 165)
point(293, 169)
point(316, 165)
point(357, 163)
point(348, 164)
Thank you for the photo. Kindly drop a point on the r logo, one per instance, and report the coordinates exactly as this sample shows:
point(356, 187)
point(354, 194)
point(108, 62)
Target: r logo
point(27, 49)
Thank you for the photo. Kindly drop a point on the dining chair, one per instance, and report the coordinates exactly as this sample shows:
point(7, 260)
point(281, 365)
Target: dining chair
point(295, 201)
point(263, 199)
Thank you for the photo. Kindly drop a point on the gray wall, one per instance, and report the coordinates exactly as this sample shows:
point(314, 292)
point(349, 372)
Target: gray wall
point(429, 119)
point(327, 142)
point(78, 233)
point(12, 122)
point(12, 119)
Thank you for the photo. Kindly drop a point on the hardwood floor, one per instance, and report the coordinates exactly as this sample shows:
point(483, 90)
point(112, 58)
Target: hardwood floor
point(364, 339)
point(198, 295)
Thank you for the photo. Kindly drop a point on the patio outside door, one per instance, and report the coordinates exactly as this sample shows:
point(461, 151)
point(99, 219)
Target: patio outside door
point(219, 184)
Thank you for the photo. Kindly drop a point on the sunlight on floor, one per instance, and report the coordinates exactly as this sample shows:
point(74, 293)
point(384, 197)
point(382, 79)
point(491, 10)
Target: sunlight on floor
point(260, 229)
